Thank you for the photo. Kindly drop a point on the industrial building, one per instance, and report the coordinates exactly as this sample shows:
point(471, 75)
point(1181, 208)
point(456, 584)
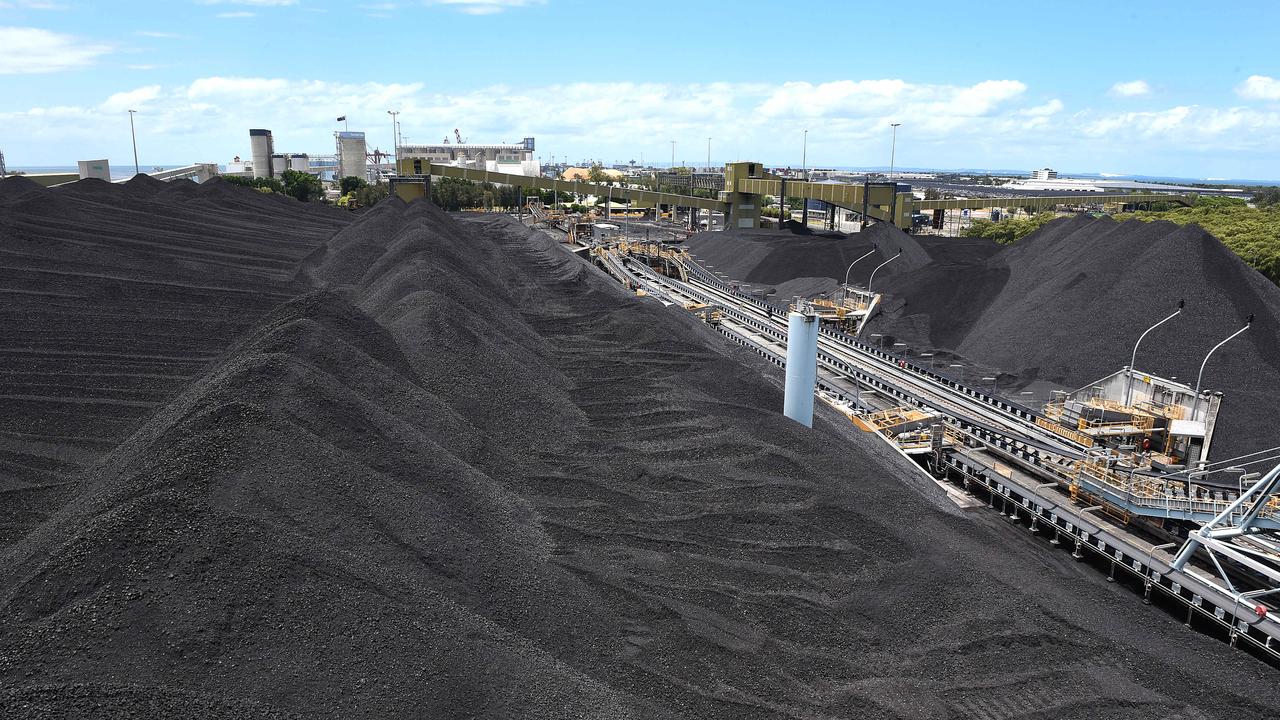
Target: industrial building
point(1044, 174)
point(351, 152)
point(261, 148)
point(513, 159)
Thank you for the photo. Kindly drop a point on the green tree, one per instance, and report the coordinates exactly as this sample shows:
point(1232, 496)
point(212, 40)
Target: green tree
point(596, 174)
point(371, 195)
point(350, 184)
point(302, 186)
point(1267, 197)
point(1009, 230)
point(259, 183)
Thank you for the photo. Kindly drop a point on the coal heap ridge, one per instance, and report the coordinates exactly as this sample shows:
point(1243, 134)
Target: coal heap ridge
point(806, 263)
point(463, 474)
point(115, 297)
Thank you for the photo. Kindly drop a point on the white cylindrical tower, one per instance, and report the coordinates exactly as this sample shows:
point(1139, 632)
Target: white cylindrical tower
point(261, 148)
point(351, 155)
point(802, 367)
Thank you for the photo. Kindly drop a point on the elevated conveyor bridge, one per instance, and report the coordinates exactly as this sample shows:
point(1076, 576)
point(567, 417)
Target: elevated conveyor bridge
point(746, 184)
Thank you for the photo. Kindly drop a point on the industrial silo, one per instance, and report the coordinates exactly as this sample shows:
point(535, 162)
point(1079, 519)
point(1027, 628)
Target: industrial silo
point(351, 155)
point(262, 148)
point(299, 163)
point(279, 163)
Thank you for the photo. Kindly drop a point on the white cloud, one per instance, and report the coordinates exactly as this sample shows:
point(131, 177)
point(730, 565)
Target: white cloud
point(237, 14)
point(157, 34)
point(485, 7)
point(986, 124)
point(1133, 88)
point(255, 3)
point(32, 50)
point(1260, 87)
point(131, 100)
point(30, 5)
point(1053, 107)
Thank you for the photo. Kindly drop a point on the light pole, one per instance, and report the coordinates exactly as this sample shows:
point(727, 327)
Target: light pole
point(993, 384)
point(804, 168)
point(1195, 405)
point(958, 365)
point(708, 154)
point(893, 149)
point(134, 136)
point(673, 155)
point(1128, 386)
point(873, 272)
point(395, 142)
point(855, 262)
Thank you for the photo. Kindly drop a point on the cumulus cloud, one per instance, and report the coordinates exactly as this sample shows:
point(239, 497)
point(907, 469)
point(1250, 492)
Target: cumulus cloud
point(986, 124)
point(255, 3)
point(1132, 88)
point(484, 7)
point(1260, 87)
point(25, 50)
point(131, 100)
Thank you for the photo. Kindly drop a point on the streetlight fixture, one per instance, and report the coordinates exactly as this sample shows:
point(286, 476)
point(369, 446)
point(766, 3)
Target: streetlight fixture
point(804, 168)
point(1195, 405)
point(874, 248)
point(873, 272)
point(395, 142)
point(993, 383)
point(1128, 386)
point(893, 149)
point(958, 365)
point(134, 136)
point(879, 342)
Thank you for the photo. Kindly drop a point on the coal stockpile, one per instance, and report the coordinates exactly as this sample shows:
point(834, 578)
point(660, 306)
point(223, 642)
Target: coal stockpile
point(115, 297)
point(1067, 303)
point(772, 257)
point(467, 475)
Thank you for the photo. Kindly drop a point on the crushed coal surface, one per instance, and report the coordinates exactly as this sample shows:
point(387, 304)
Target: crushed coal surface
point(464, 474)
point(773, 257)
point(115, 296)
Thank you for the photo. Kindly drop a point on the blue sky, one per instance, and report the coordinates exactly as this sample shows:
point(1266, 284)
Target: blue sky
point(1171, 88)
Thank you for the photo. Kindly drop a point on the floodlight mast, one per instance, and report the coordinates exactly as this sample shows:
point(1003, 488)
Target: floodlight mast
point(1128, 387)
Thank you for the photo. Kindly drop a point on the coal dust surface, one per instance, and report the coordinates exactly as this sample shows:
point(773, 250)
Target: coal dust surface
point(115, 296)
point(455, 472)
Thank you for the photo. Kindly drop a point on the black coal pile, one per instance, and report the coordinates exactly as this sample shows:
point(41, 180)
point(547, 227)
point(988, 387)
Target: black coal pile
point(797, 263)
point(466, 475)
point(1067, 303)
point(115, 297)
